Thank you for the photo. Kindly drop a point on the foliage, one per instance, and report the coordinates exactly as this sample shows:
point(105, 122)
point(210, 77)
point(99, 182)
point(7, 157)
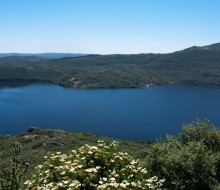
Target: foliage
point(92, 167)
point(13, 177)
point(201, 132)
point(189, 160)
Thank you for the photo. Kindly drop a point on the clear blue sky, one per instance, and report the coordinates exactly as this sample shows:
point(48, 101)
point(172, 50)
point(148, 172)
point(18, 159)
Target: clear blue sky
point(107, 26)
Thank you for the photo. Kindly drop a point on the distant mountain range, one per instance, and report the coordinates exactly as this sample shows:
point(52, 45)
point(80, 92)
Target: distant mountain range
point(212, 47)
point(44, 55)
point(194, 65)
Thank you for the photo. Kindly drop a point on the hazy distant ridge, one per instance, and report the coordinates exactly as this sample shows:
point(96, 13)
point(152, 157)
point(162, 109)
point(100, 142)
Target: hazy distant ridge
point(44, 55)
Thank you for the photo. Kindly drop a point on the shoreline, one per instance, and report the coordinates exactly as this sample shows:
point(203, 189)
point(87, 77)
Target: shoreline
point(24, 82)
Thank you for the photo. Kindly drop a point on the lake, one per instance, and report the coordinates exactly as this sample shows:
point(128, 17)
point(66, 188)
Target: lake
point(137, 114)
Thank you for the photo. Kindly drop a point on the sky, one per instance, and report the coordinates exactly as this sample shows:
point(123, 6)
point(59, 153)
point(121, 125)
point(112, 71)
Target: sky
point(107, 26)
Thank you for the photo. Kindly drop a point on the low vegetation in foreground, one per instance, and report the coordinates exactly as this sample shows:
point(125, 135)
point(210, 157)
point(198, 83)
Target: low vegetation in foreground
point(189, 160)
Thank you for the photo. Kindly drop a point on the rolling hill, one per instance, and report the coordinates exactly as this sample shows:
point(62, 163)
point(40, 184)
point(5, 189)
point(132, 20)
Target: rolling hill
point(44, 55)
point(195, 65)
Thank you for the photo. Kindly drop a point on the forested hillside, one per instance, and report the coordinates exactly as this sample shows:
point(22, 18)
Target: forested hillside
point(193, 65)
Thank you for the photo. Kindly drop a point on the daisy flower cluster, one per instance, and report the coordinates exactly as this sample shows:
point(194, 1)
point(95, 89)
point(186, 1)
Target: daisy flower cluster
point(92, 168)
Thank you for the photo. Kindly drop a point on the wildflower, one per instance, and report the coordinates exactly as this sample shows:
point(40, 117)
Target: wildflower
point(134, 184)
point(112, 179)
point(26, 163)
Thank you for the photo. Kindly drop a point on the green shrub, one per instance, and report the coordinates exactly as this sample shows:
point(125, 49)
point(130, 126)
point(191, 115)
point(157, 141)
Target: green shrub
point(201, 131)
point(189, 160)
point(92, 167)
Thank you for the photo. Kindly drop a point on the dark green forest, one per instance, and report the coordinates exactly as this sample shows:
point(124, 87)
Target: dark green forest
point(195, 65)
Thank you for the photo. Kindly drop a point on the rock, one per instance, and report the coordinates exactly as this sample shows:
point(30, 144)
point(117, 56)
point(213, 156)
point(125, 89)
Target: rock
point(52, 144)
point(33, 130)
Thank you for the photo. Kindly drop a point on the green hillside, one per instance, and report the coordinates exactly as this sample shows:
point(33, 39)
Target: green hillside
point(188, 160)
point(193, 65)
point(43, 142)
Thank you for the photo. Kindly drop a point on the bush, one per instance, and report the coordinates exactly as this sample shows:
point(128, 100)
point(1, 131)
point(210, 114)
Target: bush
point(189, 160)
point(201, 131)
point(92, 167)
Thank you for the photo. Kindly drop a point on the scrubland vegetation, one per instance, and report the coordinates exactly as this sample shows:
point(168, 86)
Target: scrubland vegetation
point(188, 160)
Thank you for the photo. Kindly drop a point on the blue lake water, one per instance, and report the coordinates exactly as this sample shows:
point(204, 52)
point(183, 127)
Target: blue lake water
point(119, 113)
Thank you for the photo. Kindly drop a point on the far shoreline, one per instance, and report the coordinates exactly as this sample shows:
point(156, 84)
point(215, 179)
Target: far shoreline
point(7, 83)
